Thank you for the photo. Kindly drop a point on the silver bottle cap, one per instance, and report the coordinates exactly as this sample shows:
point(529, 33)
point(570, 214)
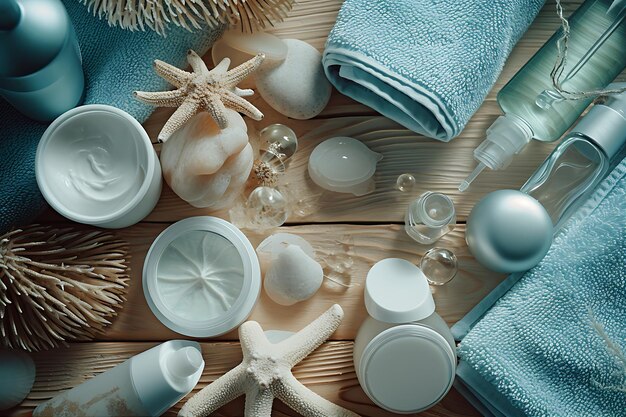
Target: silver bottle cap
point(509, 231)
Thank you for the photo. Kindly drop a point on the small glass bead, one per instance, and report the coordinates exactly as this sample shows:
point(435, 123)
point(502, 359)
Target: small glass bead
point(405, 183)
point(266, 208)
point(439, 265)
point(280, 140)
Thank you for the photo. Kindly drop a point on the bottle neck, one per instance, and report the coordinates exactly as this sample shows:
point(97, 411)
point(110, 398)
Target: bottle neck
point(10, 14)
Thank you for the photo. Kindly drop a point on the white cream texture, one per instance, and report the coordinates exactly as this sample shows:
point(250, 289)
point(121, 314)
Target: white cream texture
point(93, 165)
point(200, 275)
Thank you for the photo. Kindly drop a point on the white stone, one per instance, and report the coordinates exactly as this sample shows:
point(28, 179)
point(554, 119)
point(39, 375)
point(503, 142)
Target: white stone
point(298, 87)
point(206, 166)
point(292, 277)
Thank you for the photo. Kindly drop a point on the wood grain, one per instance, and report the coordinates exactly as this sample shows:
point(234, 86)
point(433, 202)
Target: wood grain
point(328, 371)
point(364, 245)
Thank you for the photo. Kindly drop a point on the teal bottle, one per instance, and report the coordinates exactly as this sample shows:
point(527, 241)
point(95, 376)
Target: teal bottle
point(41, 71)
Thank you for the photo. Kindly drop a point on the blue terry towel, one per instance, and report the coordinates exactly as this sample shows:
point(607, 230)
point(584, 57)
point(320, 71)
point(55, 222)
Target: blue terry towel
point(555, 344)
point(116, 62)
point(426, 64)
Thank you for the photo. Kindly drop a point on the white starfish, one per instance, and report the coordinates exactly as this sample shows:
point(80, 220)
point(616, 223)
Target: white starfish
point(211, 91)
point(265, 374)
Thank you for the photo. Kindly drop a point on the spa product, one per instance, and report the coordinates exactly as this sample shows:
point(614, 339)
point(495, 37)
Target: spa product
point(582, 160)
point(531, 105)
point(207, 166)
point(96, 165)
point(265, 374)
point(293, 276)
point(41, 72)
point(59, 285)
point(508, 231)
point(247, 16)
point(266, 208)
point(17, 375)
point(405, 182)
point(297, 87)
point(147, 384)
point(344, 165)
point(439, 266)
point(202, 90)
point(201, 277)
point(429, 217)
point(278, 145)
point(404, 353)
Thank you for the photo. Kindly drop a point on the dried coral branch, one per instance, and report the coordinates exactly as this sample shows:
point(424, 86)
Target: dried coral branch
point(190, 14)
point(58, 285)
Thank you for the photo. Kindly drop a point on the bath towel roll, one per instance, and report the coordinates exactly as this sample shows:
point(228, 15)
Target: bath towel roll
point(555, 343)
point(427, 64)
point(116, 62)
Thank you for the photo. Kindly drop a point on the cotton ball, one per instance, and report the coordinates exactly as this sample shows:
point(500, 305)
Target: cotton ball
point(293, 276)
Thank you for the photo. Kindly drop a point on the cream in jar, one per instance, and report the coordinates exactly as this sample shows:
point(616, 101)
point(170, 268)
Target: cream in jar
point(95, 164)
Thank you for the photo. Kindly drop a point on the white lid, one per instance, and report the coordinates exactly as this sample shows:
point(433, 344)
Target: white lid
point(163, 375)
point(243, 304)
point(407, 368)
point(396, 291)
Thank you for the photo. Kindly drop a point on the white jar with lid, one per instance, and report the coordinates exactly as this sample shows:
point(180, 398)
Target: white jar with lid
point(404, 353)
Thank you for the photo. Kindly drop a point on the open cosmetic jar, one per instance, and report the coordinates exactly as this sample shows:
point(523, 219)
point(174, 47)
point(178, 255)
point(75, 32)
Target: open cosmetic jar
point(404, 353)
point(95, 164)
point(201, 277)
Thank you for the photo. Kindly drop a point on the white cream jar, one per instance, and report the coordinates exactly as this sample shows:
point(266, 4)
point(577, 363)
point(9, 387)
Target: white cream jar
point(95, 164)
point(404, 353)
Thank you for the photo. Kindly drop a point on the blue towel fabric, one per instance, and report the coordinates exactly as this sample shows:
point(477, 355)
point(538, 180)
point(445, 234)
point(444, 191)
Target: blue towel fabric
point(116, 62)
point(555, 344)
point(426, 64)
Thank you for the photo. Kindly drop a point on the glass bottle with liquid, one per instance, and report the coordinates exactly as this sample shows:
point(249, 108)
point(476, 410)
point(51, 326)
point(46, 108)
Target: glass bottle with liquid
point(532, 107)
point(582, 160)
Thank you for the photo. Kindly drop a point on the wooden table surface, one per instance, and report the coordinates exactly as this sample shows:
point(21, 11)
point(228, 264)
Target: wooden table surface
point(367, 228)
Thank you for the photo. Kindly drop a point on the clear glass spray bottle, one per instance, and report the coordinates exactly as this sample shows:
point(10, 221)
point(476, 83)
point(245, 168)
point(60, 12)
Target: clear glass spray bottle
point(596, 54)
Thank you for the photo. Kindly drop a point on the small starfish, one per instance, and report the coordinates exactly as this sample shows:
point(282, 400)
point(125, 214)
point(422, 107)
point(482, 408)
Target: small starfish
point(211, 91)
point(265, 374)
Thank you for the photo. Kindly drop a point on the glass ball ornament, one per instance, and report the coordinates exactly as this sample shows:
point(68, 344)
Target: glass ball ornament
point(405, 183)
point(266, 208)
point(281, 141)
point(439, 265)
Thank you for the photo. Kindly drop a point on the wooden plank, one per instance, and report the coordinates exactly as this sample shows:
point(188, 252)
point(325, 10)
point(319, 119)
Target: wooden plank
point(365, 245)
point(328, 371)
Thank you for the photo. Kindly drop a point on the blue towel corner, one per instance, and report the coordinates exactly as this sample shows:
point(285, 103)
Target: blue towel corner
point(116, 62)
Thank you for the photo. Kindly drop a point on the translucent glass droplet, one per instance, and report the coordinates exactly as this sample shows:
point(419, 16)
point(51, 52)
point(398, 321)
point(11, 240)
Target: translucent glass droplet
point(266, 208)
point(405, 183)
point(280, 140)
point(439, 265)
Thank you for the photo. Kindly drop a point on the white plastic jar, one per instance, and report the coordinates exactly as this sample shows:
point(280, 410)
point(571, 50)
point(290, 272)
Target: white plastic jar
point(404, 353)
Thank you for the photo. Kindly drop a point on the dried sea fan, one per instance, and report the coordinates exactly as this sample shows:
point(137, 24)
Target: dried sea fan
point(58, 285)
point(156, 14)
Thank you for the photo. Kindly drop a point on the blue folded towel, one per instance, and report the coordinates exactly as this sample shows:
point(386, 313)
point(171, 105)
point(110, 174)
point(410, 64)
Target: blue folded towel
point(426, 64)
point(116, 62)
point(555, 343)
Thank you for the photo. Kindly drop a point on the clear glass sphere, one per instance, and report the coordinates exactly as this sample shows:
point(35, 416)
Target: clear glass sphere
point(266, 208)
point(439, 265)
point(405, 183)
point(280, 140)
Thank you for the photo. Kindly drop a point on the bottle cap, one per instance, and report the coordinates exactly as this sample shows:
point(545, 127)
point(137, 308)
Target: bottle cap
point(509, 231)
point(396, 291)
point(605, 123)
point(506, 137)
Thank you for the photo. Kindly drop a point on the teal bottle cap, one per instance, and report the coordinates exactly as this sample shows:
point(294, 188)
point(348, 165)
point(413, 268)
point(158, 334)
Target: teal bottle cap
point(509, 231)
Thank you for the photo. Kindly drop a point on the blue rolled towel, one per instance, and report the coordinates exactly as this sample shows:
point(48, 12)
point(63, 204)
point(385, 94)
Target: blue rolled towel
point(555, 343)
point(116, 62)
point(427, 64)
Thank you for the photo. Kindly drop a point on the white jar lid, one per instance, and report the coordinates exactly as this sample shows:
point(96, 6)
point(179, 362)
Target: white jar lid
point(407, 369)
point(396, 291)
point(234, 251)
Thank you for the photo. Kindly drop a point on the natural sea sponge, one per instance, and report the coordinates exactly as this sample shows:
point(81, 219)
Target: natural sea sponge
point(206, 166)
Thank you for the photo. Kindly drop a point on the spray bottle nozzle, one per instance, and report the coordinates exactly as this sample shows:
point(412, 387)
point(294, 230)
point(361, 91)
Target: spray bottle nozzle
point(506, 137)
